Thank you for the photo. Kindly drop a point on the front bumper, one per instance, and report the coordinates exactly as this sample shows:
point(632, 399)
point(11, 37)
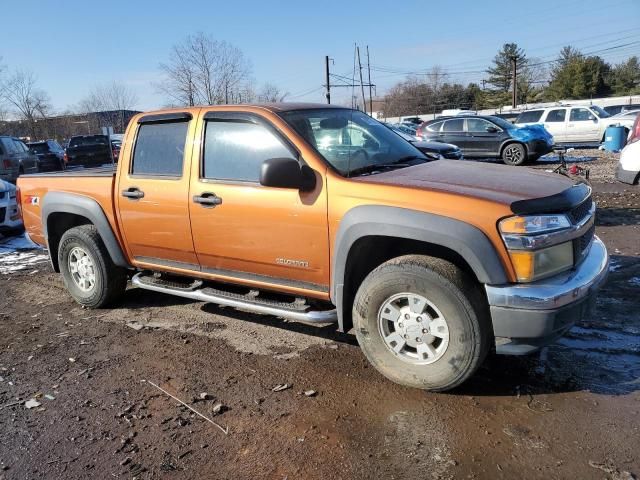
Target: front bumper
point(626, 176)
point(529, 316)
point(538, 148)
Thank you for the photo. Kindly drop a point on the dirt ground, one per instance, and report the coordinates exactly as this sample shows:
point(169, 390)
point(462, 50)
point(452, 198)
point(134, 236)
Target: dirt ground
point(573, 411)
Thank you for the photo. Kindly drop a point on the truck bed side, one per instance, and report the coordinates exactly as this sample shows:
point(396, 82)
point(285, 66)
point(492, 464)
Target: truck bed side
point(96, 184)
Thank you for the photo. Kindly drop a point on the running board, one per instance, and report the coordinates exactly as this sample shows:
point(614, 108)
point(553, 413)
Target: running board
point(243, 302)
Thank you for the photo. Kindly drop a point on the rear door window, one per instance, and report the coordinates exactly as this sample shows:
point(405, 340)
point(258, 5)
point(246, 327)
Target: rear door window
point(532, 116)
point(159, 149)
point(453, 126)
point(20, 147)
point(235, 150)
point(556, 115)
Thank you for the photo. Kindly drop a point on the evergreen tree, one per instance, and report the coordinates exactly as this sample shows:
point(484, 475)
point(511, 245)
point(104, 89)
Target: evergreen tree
point(500, 72)
point(625, 77)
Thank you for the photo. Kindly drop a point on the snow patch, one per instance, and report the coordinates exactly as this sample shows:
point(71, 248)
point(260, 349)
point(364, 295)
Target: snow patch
point(20, 253)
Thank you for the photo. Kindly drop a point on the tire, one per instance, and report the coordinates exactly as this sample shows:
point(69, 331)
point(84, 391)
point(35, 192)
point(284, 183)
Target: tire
point(109, 281)
point(514, 154)
point(451, 295)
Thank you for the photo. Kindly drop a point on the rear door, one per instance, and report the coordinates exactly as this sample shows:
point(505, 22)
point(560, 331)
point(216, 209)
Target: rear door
point(484, 137)
point(28, 160)
point(153, 192)
point(556, 124)
point(582, 126)
point(248, 232)
point(453, 132)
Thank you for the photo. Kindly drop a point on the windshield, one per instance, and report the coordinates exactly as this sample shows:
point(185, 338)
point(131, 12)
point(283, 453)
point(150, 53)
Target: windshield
point(502, 123)
point(350, 140)
point(600, 112)
point(88, 140)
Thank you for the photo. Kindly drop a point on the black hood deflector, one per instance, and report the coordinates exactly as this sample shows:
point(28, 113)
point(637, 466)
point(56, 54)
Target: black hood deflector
point(560, 202)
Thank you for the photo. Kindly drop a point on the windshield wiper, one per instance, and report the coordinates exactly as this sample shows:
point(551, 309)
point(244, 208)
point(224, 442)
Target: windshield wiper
point(400, 163)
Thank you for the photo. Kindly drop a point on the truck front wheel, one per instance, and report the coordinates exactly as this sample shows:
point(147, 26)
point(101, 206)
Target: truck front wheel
point(88, 272)
point(422, 322)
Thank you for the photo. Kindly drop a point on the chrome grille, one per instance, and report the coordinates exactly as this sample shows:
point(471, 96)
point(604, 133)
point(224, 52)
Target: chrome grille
point(579, 213)
point(582, 243)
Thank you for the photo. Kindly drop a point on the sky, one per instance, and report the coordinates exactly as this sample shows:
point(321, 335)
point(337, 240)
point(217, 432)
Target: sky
point(71, 46)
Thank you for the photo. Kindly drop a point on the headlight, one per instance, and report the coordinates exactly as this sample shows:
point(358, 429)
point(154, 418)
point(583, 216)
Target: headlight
point(534, 224)
point(533, 265)
point(538, 245)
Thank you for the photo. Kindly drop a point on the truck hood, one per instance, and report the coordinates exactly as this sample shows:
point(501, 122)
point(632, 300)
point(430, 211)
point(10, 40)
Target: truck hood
point(522, 189)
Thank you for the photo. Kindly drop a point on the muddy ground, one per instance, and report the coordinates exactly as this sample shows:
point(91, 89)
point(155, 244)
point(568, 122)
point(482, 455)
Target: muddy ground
point(571, 412)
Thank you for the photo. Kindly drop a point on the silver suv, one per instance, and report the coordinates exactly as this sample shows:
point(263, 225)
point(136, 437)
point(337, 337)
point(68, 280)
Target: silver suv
point(16, 159)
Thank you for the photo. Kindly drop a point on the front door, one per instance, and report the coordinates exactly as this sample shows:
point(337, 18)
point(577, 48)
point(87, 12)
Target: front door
point(153, 192)
point(582, 126)
point(248, 232)
point(484, 137)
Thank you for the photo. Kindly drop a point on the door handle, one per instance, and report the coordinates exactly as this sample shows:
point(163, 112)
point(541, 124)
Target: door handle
point(133, 193)
point(207, 199)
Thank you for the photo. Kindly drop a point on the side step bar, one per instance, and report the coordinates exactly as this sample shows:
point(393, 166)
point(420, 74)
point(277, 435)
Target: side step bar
point(236, 301)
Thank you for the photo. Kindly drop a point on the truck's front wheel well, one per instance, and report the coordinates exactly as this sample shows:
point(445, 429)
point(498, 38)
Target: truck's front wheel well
point(57, 224)
point(369, 252)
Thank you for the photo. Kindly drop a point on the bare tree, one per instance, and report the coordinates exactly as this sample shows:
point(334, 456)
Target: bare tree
point(271, 93)
point(111, 100)
point(204, 70)
point(28, 101)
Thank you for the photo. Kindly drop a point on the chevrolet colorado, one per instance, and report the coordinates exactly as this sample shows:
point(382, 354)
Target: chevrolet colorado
point(319, 213)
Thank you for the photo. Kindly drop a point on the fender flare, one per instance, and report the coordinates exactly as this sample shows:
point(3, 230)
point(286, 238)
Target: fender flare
point(513, 140)
point(375, 220)
point(63, 202)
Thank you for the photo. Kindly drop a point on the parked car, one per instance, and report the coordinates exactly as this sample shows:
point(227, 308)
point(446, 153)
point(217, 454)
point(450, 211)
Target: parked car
point(489, 137)
point(88, 151)
point(577, 125)
point(438, 149)
point(628, 169)
point(432, 264)
point(50, 155)
point(10, 221)
point(616, 109)
point(116, 146)
point(408, 128)
point(509, 117)
point(15, 159)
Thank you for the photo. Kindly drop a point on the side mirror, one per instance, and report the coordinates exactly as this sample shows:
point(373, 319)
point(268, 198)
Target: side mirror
point(287, 173)
point(492, 130)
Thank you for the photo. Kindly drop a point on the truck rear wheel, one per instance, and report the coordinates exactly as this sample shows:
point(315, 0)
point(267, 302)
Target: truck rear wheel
point(90, 276)
point(422, 322)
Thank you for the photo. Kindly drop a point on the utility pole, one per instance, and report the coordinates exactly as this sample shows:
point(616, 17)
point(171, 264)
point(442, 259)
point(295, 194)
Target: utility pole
point(370, 86)
point(514, 80)
point(483, 83)
point(364, 101)
point(328, 84)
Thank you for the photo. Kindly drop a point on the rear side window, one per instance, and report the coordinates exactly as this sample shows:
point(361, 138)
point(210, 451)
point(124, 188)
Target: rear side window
point(556, 115)
point(236, 150)
point(434, 127)
point(159, 149)
point(532, 116)
point(456, 125)
point(9, 146)
point(20, 147)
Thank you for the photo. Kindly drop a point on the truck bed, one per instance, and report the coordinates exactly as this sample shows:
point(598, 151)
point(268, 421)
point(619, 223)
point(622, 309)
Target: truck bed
point(95, 183)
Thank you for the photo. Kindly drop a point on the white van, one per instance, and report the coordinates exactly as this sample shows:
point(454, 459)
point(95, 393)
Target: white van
point(574, 124)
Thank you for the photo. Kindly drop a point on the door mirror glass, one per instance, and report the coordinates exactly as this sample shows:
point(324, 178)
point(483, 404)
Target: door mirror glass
point(287, 173)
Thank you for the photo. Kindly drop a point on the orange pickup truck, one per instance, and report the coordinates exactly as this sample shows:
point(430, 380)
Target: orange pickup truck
point(319, 213)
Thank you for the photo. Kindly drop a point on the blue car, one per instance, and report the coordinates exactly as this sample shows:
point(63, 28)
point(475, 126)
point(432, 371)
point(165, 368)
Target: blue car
point(485, 136)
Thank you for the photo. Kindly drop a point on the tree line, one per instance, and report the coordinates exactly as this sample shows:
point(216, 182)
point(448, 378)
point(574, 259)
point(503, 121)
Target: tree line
point(572, 75)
